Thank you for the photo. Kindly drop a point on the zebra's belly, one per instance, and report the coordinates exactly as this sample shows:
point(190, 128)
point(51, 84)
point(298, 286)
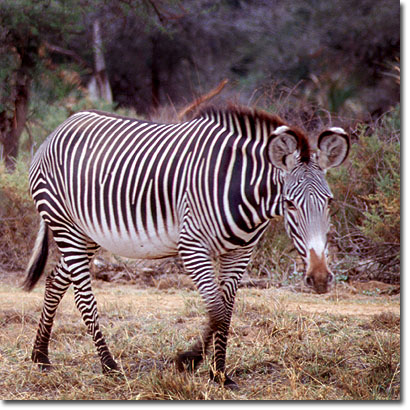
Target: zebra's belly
point(138, 246)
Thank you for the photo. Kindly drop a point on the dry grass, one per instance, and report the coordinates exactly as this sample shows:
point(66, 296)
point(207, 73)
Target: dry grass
point(283, 346)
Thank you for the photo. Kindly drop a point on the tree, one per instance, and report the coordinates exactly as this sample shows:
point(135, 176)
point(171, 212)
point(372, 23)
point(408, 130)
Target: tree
point(66, 30)
point(99, 86)
point(153, 52)
point(24, 26)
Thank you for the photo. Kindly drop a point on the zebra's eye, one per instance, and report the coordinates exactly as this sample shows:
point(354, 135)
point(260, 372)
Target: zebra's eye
point(290, 205)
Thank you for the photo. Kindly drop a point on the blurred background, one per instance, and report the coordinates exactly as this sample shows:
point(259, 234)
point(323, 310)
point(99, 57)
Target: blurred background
point(314, 62)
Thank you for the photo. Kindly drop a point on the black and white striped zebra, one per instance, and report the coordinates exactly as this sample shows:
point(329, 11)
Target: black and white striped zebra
point(205, 189)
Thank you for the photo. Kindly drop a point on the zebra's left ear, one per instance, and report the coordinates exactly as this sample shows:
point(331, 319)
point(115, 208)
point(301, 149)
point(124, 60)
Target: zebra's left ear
point(334, 146)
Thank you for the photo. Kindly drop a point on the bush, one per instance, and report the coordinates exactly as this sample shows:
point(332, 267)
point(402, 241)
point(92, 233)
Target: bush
point(18, 218)
point(46, 117)
point(367, 193)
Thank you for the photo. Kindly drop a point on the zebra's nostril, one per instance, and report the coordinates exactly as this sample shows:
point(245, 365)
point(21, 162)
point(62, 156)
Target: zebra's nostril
point(309, 281)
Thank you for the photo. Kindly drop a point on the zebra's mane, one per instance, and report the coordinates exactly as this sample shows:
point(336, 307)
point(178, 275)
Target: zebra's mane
point(256, 118)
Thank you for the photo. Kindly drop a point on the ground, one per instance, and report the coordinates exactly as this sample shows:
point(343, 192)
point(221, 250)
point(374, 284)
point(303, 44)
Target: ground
point(284, 345)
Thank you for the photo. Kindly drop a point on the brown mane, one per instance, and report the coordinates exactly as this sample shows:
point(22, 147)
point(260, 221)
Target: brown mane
point(261, 116)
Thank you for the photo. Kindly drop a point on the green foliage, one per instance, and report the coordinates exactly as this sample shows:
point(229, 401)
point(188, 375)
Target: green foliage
point(367, 191)
point(26, 28)
point(33, 18)
point(372, 180)
point(14, 189)
point(382, 219)
point(18, 218)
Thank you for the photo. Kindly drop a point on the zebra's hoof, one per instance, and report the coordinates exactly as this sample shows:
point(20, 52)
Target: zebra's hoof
point(230, 384)
point(189, 360)
point(110, 368)
point(223, 380)
point(45, 367)
point(41, 358)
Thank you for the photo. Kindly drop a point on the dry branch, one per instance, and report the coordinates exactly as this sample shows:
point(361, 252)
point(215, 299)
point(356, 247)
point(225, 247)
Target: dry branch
point(203, 98)
point(60, 50)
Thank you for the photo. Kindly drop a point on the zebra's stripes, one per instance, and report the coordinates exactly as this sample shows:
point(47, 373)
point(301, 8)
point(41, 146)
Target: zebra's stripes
point(204, 189)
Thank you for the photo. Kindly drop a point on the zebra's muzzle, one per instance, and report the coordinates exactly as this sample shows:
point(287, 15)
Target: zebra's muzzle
point(318, 275)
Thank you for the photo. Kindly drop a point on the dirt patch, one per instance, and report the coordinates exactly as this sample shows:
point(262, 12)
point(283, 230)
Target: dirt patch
point(374, 286)
point(343, 309)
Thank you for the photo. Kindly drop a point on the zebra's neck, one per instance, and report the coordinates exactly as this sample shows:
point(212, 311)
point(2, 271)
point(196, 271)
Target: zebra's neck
point(241, 190)
point(248, 123)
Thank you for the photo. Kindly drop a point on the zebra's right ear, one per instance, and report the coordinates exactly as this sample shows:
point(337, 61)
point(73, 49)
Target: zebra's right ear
point(282, 148)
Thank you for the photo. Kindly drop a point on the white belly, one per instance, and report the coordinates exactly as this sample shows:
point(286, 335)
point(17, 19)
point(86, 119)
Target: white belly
point(138, 245)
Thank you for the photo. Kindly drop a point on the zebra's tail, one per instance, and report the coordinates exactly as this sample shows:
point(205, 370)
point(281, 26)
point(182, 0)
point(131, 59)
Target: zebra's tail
point(38, 258)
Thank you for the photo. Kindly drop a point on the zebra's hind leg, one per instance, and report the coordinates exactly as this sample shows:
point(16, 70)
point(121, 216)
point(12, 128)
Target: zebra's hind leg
point(86, 303)
point(56, 285)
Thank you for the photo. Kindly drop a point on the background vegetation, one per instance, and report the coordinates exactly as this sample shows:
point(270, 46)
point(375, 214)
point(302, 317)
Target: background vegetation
point(315, 63)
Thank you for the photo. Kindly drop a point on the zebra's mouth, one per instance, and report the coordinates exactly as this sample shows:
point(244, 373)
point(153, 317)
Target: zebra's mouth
point(318, 275)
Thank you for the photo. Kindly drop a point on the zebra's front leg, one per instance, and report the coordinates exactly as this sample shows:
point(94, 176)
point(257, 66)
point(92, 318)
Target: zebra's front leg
point(232, 268)
point(87, 305)
point(56, 285)
point(198, 264)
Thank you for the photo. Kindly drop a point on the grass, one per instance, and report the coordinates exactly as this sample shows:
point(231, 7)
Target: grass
point(283, 346)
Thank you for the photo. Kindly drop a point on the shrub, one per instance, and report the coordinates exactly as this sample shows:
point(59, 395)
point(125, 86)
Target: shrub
point(18, 218)
point(367, 193)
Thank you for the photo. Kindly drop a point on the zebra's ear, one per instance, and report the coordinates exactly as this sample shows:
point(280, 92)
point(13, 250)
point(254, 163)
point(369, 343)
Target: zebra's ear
point(334, 146)
point(282, 148)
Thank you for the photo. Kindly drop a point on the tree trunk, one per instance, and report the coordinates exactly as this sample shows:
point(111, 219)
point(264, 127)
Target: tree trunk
point(155, 81)
point(12, 123)
point(99, 86)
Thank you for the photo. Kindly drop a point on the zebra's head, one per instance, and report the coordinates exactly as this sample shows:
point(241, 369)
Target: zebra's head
point(306, 195)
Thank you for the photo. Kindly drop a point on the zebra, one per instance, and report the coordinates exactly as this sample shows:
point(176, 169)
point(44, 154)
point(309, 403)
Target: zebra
point(203, 189)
